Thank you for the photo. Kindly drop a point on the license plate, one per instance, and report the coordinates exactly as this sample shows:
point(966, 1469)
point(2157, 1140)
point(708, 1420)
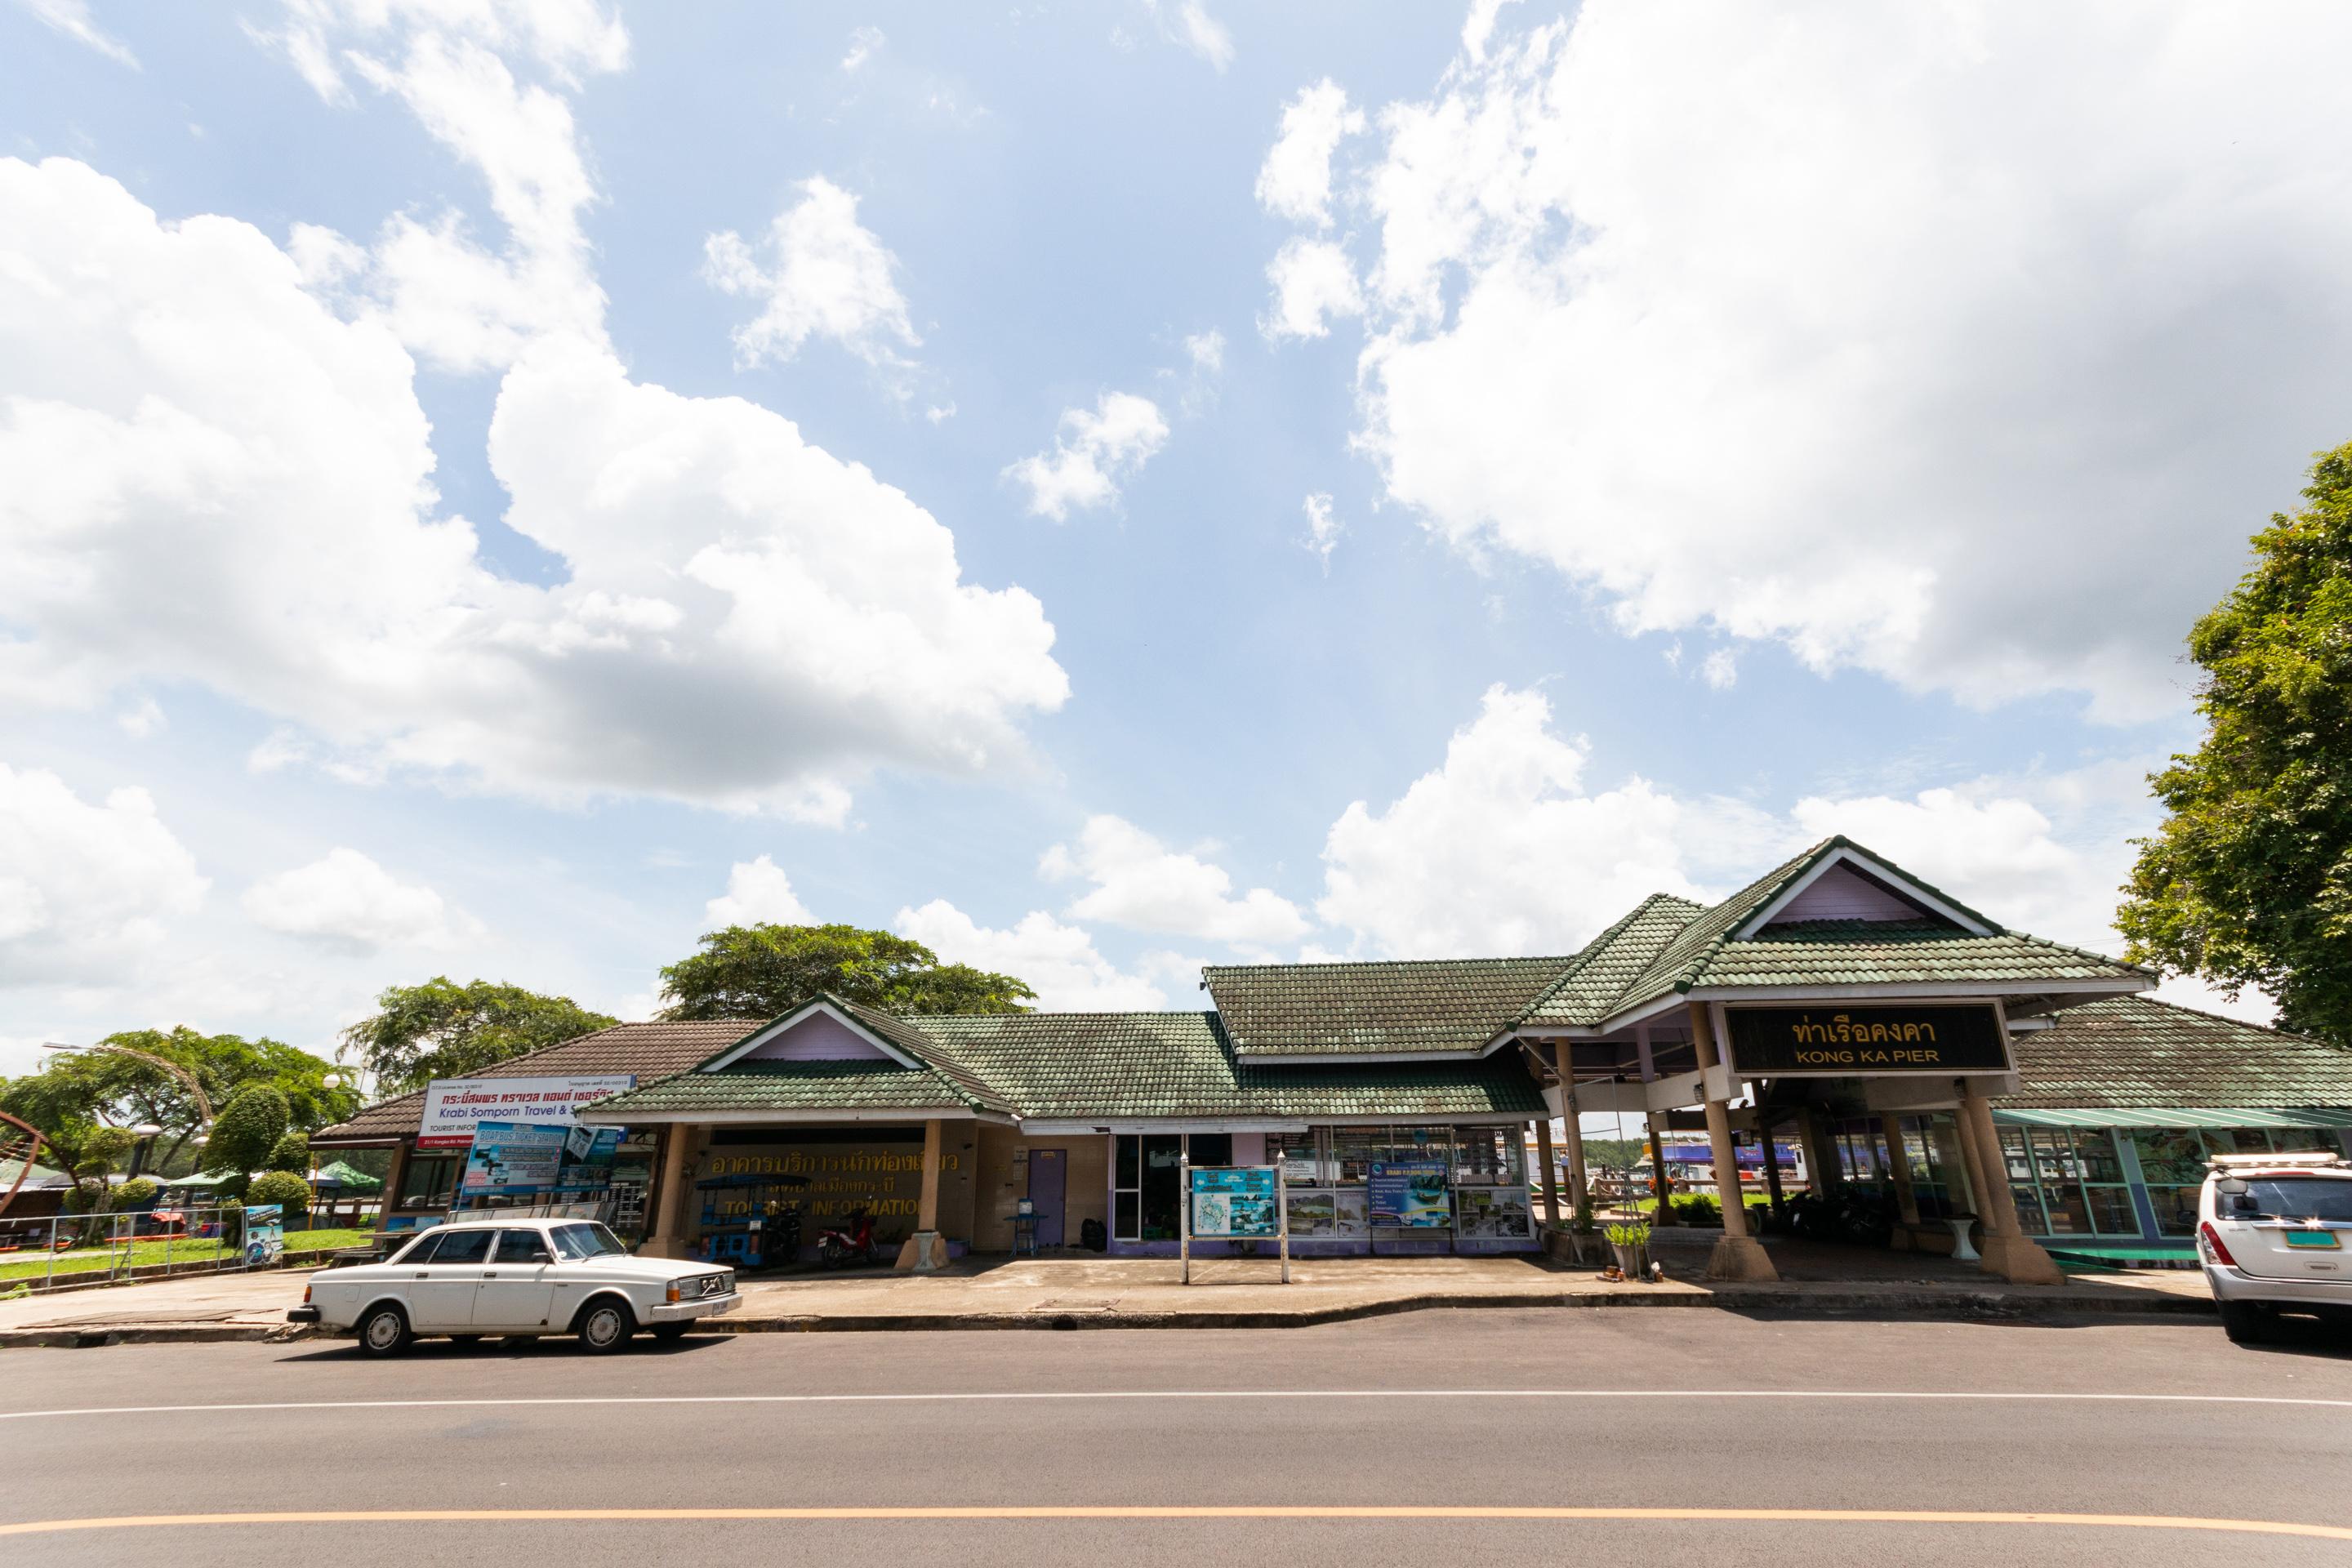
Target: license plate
point(2317, 1240)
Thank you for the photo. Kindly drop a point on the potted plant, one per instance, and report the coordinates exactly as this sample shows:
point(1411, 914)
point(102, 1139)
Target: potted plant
point(1632, 1245)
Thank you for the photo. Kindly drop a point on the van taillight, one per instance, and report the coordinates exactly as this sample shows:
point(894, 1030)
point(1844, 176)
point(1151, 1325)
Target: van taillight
point(2213, 1239)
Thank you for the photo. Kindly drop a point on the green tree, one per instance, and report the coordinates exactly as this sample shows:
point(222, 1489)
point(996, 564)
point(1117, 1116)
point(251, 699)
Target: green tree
point(442, 1029)
point(283, 1187)
point(291, 1153)
point(2249, 882)
point(250, 1126)
point(761, 971)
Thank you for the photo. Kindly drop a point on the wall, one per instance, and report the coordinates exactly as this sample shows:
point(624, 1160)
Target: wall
point(1002, 1181)
point(819, 1038)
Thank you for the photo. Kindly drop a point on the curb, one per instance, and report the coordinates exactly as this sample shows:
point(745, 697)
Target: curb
point(1980, 1305)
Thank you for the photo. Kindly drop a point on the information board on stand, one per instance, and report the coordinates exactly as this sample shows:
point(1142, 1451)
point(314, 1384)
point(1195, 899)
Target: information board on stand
point(1233, 1202)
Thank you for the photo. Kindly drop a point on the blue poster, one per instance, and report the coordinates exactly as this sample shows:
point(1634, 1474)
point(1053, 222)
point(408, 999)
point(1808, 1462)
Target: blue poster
point(588, 1154)
point(1234, 1201)
point(265, 1234)
point(514, 1158)
point(1411, 1194)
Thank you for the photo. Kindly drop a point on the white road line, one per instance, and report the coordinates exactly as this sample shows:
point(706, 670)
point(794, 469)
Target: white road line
point(1041, 1395)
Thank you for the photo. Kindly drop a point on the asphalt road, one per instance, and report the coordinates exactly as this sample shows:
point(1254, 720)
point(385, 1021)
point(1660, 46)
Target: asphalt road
point(1488, 1411)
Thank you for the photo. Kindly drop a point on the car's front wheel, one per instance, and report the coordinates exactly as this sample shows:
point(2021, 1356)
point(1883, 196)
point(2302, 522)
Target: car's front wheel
point(384, 1332)
point(605, 1325)
point(2247, 1323)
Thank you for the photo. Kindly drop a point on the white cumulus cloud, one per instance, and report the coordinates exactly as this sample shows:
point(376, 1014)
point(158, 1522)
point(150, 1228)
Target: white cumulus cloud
point(1962, 345)
point(1058, 962)
point(1141, 883)
point(87, 889)
point(758, 893)
point(1295, 181)
point(1094, 451)
point(346, 902)
point(1314, 285)
point(827, 275)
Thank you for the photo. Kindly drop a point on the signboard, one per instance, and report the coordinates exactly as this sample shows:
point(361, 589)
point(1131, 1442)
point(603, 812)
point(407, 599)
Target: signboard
point(1411, 1194)
point(1496, 1212)
point(881, 1172)
point(265, 1234)
point(1849, 1042)
point(1234, 1201)
point(454, 1107)
point(513, 1158)
point(588, 1155)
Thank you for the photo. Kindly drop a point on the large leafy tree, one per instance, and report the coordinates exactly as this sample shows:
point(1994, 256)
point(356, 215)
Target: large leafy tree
point(249, 1126)
point(120, 1088)
point(760, 971)
point(2249, 882)
point(441, 1029)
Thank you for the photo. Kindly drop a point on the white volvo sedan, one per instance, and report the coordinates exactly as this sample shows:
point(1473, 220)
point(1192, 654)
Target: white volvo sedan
point(473, 1279)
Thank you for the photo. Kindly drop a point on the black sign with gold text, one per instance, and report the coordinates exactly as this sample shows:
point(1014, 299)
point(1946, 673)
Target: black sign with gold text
point(1771, 1042)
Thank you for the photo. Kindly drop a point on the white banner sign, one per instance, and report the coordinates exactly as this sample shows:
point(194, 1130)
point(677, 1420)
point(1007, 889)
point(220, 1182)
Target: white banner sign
point(455, 1106)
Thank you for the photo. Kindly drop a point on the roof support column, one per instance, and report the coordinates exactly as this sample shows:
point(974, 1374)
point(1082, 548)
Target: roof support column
point(1898, 1172)
point(1660, 1187)
point(925, 1250)
point(2008, 1251)
point(667, 1208)
point(1738, 1255)
point(1550, 1172)
point(1579, 1189)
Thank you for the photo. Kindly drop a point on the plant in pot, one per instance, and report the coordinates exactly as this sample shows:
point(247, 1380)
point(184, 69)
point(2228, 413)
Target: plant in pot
point(1632, 1245)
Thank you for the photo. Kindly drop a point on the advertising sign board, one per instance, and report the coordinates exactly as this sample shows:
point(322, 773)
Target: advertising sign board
point(1411, 1194)
point(1783, 1042)
point(513, 1158)
point(265, 1234)
point(1234, 1201)
point(454, 1107)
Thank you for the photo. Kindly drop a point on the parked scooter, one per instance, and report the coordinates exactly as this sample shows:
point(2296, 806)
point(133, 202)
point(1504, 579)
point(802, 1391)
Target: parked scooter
point(850, 1247)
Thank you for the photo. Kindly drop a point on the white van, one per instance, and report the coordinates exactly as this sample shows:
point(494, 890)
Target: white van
point(2271, 1232)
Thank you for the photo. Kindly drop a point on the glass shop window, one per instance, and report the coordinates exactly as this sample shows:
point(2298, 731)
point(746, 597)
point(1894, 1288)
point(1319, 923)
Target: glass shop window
point(1300, 1156)
point(1353, 1150)
point(2172, 1161)
point(427, 1182)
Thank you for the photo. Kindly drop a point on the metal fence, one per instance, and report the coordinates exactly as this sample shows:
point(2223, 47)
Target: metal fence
point(73, 1251)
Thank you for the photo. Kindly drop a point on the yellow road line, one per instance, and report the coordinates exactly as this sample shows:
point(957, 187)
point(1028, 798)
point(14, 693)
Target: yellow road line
point(920, 1515)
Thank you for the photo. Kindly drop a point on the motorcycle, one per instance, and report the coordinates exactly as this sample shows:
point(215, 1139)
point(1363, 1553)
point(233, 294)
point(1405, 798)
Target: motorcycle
point(852, 1247)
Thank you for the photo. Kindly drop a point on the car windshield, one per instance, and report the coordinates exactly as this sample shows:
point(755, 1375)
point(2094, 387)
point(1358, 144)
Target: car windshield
point(2289, 1197)
point(576, 1241)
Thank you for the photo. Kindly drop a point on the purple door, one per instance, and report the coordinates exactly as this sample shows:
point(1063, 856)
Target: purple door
point(1048, 1169)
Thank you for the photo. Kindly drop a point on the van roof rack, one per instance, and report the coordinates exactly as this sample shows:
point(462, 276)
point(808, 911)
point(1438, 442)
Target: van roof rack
point(2306, 1160)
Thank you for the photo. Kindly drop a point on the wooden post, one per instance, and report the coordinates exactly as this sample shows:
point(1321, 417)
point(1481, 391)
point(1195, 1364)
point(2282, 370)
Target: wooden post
point(1771, 1165)
point(1580, 1186)
point(1898, 1172)
point(392, 1178)
point(1550, 1172)
point(1184, 1207)
point(926, 1209)
point(1663, 1214)
point(1738, 1255)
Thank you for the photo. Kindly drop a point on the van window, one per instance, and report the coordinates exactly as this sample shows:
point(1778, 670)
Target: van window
point(2288, 1197)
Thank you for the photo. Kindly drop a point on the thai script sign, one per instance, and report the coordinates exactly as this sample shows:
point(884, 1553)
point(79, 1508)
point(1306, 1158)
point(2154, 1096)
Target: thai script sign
point(454, 1107)
point(1411, 1194)
point(883, 1177)
point(1778, 1042)
point(1234, 1201)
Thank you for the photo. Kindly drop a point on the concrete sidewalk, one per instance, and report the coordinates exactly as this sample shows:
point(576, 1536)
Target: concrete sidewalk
point(1084, 1291)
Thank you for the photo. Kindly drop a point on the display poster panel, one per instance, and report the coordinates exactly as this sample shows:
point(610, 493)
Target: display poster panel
point(265, 1234)
point(1234, 1201)
point(1411, 1194)
point(1500, 1212)
point(454, 1107)
point(508, 1159)
point(1776, 1042)
point(588, 1156)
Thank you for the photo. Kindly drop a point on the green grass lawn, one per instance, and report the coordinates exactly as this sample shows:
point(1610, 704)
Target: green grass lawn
point(149, 1252)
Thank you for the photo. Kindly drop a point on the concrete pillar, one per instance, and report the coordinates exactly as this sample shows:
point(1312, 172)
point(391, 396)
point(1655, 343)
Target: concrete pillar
point(925, 1250)
point(1964, 1142)
point(392, 1180)
point(2008, 1251)
point(1738, 1255)
point(671, 1201)
point(1899, 1171)
point(1550, 1172)
point(1772, 1168)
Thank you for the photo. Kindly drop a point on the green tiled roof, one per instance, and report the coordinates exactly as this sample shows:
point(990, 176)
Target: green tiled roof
point(1370, 1009)
point(1139, 1066)
point(1850, 952)
point(2136, 1051)
point(1599, 975)
point(869, 1084)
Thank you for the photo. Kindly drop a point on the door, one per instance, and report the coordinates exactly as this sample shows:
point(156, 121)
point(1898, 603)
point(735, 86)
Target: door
point(517, 1284)
point(441, 1295)
point(1049, 1178)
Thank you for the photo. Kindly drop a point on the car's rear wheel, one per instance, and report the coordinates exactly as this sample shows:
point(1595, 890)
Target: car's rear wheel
point(669, 1333)
point(384, 1332)
point(605, 1325)
point(2247, 1323)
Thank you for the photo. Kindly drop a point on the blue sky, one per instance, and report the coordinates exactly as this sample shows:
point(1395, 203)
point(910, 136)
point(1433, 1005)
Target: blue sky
point(888, 449)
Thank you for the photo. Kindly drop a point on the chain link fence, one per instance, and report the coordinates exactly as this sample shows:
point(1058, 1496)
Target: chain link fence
point(73, 1251)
